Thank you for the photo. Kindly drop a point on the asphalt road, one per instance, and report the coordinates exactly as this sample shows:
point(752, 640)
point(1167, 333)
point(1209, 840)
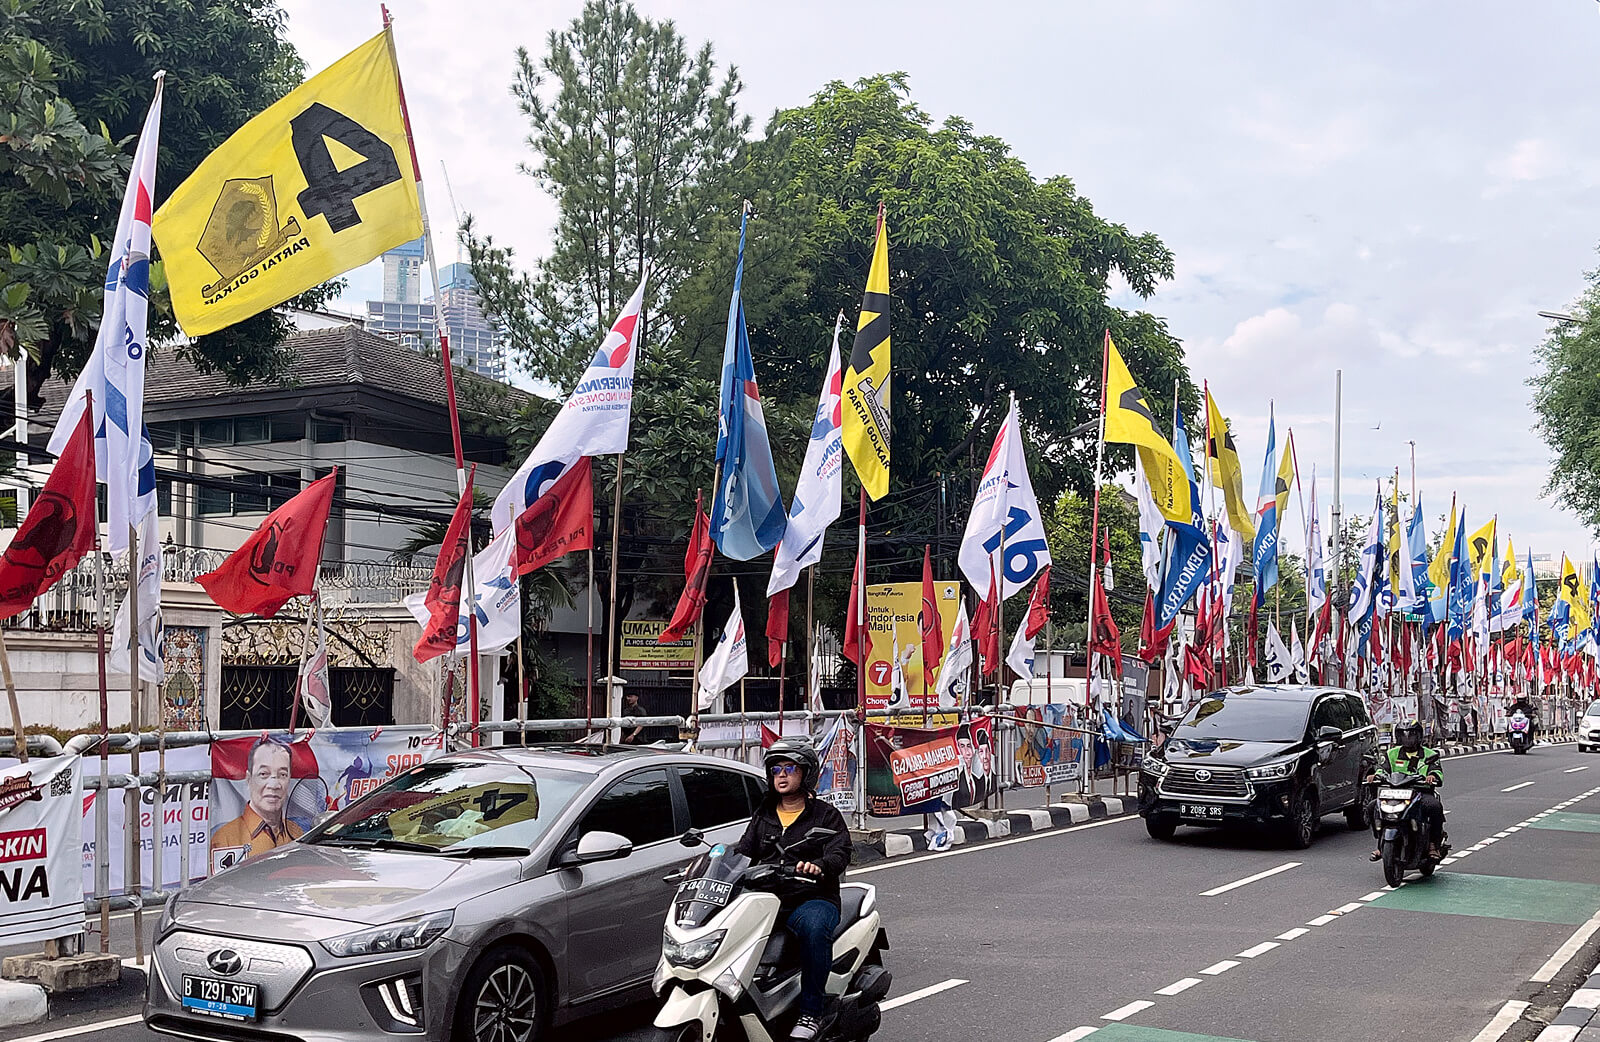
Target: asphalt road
point(1101, 932)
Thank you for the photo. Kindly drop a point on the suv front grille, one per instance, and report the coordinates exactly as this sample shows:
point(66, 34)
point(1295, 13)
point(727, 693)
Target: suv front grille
point(1223, 782)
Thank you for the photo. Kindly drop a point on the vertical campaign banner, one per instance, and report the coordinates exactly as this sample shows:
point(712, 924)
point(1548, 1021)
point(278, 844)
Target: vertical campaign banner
point(184, 806)
point(41, 884)
point(836, 782)
point(894, 671)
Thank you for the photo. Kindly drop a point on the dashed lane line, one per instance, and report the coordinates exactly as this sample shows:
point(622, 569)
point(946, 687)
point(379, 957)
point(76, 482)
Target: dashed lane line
point(1247, 880)
point(921, 993)
point(1322, 920)
point(82, 1029)
point(1298, 931)
point(1180, 987)
point(1124, 1012)
point(1075, 1034)
point(1519, 785)
point(1574, 770)
point(1220, 967)
point(1261, 949)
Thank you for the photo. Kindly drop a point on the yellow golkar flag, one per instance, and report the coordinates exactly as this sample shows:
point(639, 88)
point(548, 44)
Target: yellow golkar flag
point(866, 378)
point(1129, 421)
point(319, 183)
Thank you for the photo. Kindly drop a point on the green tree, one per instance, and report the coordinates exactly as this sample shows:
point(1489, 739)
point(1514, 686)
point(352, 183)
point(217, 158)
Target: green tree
point(1566, 397)
point(82, 71)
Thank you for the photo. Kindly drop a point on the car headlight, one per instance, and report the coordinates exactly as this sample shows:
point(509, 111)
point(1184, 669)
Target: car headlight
point(692, 954)
point(1271, 771)
point(409, 935)
point(1155, 768)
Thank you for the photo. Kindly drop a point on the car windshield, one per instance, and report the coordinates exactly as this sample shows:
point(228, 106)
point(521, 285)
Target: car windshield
point(1221, 719)
point(454, 805)
point(1594, 708)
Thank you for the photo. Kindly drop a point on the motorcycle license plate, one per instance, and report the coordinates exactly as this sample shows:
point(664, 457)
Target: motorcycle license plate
point(1204, 811)
point(714, 892)
point(228, 999)
point(1394, 794)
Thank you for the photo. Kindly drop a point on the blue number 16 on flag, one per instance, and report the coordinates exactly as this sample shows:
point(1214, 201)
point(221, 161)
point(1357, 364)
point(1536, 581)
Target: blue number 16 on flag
point(1028, 549)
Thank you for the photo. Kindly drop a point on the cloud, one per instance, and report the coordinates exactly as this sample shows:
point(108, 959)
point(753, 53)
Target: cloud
point(1531, 159)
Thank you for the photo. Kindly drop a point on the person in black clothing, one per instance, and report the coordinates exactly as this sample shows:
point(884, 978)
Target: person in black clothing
point(631, 707)
point(793, 827)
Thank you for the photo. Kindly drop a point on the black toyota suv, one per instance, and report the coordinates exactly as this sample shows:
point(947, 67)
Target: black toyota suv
point(1276, 757)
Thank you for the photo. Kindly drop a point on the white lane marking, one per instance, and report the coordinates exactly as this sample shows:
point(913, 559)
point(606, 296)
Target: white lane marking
point(1124, 1012)
point(1565, 953)
point(1322, 920)
point(82, 1029)
point(1372, 896)
point(1515, 828)
point(1448, 861)
point(1247, 880)
point(1519, 785)
point(1261, 949)
point(1509, 1014)
point(1180, 987)
point(1346, 909)
point(902, 862)
point(1219, 967)
point(1461, 854)
point(1075, 1034)
point(1490, 840)
point(1298, 931)
point(1502, 835)
point(921, 993)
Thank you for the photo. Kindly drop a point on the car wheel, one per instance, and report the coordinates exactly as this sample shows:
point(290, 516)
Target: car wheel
point(503, 999)
point(1303, 823)
point(1161, 826)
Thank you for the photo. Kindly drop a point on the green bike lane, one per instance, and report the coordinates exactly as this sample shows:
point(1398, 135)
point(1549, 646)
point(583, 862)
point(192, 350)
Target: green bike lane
point(1218, 936)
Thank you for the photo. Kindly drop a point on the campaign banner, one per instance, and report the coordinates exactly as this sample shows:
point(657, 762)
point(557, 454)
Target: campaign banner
point(836, 782)
point(173, 821)
point(270, 790)
point(895, 679)
point(41, 887)
point(1046, 755)
point(914, 770)
point(640, 651)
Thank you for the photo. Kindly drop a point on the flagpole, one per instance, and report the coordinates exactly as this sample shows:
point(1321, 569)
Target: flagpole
point(699, 622)
point(1338, 536)
point(102, 820)
point(1094, 522)
point(135, 725)
point(300, 674)
point(588, 674)
point(812, 682)
point(611, 612)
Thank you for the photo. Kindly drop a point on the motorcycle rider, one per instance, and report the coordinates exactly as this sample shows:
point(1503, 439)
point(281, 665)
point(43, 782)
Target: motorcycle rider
point(1521, 707)
point(1412, 757)
point(793, 827)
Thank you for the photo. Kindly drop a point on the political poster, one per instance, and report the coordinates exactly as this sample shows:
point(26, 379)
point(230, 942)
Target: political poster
point(895, 678)
point(1046, 755)
point(41, 887)
point(915, 770)
point(640, 650)
point(836, 782)
point(173, 817)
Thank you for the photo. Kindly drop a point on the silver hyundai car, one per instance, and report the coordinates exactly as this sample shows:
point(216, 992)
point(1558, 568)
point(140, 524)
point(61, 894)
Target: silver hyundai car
point(482, 896)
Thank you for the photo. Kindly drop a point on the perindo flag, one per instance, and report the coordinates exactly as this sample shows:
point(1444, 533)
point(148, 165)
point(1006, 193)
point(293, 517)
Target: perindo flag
point(1005, 510)
point(319, 183)
point(152, 667)
point(113, 378)
point(819, 494)
point(865, 387)
point(497, 602)
point(594, 420)
point(954, 683)
point(41, 879)
point(279, 561)
point(1316, 575)
point(1189, 551)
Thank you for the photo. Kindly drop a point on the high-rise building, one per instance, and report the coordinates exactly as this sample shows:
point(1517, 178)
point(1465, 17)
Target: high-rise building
point(403, 316)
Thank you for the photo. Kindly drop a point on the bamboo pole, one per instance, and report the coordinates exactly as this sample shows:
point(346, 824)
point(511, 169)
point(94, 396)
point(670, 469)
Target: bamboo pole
point(11, 696)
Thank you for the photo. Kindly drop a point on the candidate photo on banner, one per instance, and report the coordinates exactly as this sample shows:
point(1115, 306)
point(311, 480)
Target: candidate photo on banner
point(265, 792)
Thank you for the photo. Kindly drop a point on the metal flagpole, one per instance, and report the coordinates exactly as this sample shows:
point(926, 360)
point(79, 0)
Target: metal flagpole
point(699, 622)
point(135, 726)
point(11, 696)
point(1094, 522)
point(861, 641)
point(588, 674)
point(299, 683)
point(612, 629)
point(1338, 535)
point(813, 683)
point(102, 819)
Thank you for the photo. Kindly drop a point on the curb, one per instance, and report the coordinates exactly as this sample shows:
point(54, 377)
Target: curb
point(22, 1004)
point(1575, 1015)
point(901, 842)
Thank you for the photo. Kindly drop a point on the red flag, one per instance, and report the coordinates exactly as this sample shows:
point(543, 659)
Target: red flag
point(1375, 645)
point(1250, 646)
point(559, 521)
point(1103, 635)
point(1197, 666)
point(986, 628)
point(443, 599)
point(1150, 643)
point(768, 736)
point(929, 623)
point(279, 560)
point(857, 640)
point(59, 529)
point(777, 625)
point(1039, 605)
point(696, 570)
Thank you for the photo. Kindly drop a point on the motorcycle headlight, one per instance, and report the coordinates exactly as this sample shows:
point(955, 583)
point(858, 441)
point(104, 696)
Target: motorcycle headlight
point(1271, 771)
point(409, 935)
point(691, 954)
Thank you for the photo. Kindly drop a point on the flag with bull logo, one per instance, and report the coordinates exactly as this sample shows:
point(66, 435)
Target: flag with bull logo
point(59, 529)
point(280, 559)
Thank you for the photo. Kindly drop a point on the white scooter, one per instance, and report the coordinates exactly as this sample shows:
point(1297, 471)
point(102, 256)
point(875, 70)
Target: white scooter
point(726, 958)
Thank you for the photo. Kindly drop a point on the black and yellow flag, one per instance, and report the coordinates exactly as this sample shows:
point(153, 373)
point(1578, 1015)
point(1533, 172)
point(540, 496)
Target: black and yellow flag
point(866, 378)
point(1227, 473)
point(1130, 422)
point(319, 183)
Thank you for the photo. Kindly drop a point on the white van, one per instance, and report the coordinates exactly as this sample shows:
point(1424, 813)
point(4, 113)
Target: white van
point(1589, 728)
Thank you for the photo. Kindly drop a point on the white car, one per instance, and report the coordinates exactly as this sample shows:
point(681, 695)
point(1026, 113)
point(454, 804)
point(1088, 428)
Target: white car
point(1589, 728)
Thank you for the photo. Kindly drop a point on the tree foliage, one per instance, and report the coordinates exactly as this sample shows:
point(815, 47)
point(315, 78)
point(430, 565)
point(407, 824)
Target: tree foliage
point(1566, 397)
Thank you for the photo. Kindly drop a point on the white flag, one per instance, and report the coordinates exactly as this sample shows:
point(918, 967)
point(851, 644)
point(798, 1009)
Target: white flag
point(594, 421)
point(1297, 655)
point(955, 673)
point(1151, 525)
point(814, 678)
point(819, 494)
point(1367, 566)
point(1229, 554)
point(729, 661)
point(316, 696)
point(497, 601)
point(152, 665)
point(1005, 509)
point(1020, 656)
point(1276, 662)
point(1316, 576)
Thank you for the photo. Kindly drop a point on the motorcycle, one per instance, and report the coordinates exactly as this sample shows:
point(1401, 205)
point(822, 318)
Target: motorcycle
point(725, 957)
point(1520, 733)
point(1404, 842)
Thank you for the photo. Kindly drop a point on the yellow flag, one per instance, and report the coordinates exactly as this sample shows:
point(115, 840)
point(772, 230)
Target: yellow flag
point(1129, 421)
point(1439, 567)
point(1226, 471)
point(1480, 550)
point(1285, 480)
point(1394, 538)
point(866, 378)
point(319, 183)
point(1573, 591)
point(1510, 574)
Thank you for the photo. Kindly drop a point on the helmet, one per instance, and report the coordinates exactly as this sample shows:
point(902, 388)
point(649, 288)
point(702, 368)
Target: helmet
point(1404, 731)
point(796, 751)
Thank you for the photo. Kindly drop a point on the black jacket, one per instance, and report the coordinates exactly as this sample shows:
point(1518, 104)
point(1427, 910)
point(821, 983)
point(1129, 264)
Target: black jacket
point(819, 836)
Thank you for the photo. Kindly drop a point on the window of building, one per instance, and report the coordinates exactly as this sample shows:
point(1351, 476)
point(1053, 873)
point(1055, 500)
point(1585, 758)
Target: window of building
point(164, 497)
point(250, 430)
point(323, 431)
point(288, 428)
point(213, 500)
point(214, 432)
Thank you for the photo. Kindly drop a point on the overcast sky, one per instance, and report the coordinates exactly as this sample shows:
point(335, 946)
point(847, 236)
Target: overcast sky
point(1394, 189)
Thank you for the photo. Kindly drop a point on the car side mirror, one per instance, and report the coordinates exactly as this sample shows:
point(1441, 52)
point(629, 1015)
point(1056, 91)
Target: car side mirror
point(1329, 734)
point(692, 838)
point(600, 846)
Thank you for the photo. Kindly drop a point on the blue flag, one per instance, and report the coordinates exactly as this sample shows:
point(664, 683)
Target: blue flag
point(1188, 549)
point(747, 515)
point(1264, 556)
point(1461, 581)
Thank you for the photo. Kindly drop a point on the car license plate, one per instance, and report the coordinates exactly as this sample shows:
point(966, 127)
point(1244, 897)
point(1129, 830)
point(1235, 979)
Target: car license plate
point(1201, 810)
point(229, 999)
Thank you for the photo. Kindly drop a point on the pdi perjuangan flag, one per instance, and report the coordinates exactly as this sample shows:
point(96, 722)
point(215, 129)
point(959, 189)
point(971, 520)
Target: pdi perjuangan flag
point(747, 515)
point(319, 183)
point(41, 850)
